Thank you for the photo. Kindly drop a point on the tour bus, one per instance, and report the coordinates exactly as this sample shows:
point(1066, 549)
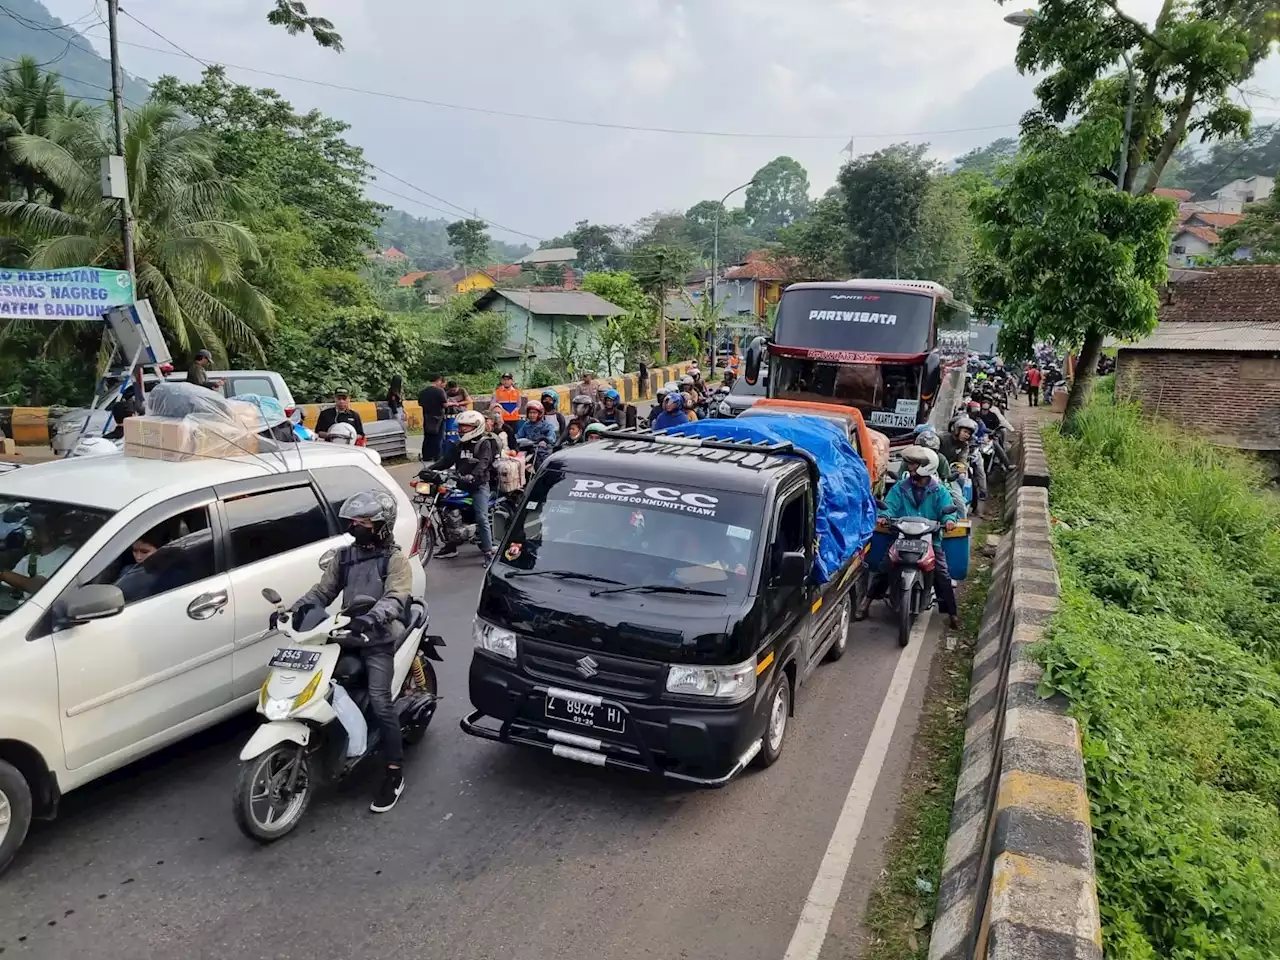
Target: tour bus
point(879, 345)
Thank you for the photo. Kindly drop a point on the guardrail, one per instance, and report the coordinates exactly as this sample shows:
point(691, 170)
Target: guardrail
point(1018, 878)
point(33, 426)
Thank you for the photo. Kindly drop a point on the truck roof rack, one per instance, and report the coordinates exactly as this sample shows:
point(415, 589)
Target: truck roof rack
point(742, 452)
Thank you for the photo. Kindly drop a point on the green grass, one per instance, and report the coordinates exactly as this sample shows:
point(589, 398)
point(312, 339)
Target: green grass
point(901, 911)
point(1168, 648)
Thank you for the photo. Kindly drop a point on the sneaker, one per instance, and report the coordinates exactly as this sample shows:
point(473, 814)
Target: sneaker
point(389, 792)
point(448, 553)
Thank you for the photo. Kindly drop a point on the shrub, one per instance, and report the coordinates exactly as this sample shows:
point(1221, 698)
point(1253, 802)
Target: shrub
point(1168, 647)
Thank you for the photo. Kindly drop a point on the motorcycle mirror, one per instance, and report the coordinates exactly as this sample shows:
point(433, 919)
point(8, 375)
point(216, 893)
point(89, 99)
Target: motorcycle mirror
point(271, 596)
point(755, 354)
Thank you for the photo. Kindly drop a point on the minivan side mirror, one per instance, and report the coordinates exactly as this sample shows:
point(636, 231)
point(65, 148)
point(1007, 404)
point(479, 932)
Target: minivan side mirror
point(755, 355)
point(96, 601)
point(793, 568)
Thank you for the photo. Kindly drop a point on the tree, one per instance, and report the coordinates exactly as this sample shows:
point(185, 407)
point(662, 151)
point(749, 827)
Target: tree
point(631, 334)
point(620, 288)
point(659, 269)
point(883, 195)
point(282, 158)
point(597, 245)
point(189, 249)
point(292, 15)
point(817, 245)
point(945, 238)
point(990, 161)
point(31, 102)
point(1061, 255)
point(1186, 67)
point(777, 197)
point(470, 241)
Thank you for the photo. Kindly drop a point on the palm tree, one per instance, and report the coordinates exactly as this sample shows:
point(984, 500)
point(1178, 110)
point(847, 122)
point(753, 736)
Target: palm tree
point(31, 102)
point(189, 255)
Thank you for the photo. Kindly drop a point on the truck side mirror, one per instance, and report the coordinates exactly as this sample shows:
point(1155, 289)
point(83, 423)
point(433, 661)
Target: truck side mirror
point(793, 568)
point(932, 379)
point(755, 354)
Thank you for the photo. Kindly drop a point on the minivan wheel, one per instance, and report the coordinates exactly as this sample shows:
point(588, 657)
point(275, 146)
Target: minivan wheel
point(775, 727)
point(842, 630)
point(15, 812)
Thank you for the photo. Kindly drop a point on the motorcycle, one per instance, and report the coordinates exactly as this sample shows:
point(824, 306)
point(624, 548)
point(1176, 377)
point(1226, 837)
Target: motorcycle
point(446, 512)
point(718, 396)
point(314, 701)
point(911, 565)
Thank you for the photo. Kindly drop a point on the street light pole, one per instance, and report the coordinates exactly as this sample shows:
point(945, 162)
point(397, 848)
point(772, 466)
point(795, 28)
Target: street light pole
point(715, 267)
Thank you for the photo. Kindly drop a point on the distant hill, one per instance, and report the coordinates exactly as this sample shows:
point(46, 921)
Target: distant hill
point(426, 244)
point(26, 27)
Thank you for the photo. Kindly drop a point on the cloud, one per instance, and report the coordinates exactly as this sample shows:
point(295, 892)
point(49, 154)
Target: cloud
point(823, 69)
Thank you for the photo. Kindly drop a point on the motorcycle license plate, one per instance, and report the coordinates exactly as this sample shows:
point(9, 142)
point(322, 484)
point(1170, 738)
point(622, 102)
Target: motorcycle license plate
point(291, 658)
point(603, 717)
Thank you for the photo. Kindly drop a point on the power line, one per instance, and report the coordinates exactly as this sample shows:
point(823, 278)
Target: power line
point(568, 121)
point(464, 210)
point(86, 83)
point(1245, 148)
point(450, 213)
point(157, 33)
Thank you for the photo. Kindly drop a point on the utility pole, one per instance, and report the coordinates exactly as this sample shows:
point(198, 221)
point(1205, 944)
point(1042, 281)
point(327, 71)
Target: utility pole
point(715, 269)
point(117, 109)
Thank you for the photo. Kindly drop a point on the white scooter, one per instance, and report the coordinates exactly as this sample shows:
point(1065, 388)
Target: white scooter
point(315, 718)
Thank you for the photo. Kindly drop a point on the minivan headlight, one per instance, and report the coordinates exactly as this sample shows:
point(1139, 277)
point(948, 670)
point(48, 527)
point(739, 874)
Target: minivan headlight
point(728, 684)
point(496, 640)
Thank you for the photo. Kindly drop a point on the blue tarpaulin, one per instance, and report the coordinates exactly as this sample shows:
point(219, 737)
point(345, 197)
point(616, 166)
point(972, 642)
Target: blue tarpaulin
point(846, 507)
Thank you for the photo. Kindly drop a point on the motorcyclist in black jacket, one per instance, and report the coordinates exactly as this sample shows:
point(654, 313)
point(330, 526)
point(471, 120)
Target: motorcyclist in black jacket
point(374, 566)
point(473, 457)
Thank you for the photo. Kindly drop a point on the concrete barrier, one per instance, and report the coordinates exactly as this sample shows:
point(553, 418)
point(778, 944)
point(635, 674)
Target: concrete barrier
point(33, 426)
point(1018, 877)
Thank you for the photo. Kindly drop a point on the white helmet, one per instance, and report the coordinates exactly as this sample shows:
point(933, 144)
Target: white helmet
point(95, 447)
point(922, 458)
point(343, 433)
point(470, 424)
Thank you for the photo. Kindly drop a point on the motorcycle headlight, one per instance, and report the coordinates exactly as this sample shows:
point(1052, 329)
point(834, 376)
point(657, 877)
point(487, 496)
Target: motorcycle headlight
point(728, 684)
point(495, 640)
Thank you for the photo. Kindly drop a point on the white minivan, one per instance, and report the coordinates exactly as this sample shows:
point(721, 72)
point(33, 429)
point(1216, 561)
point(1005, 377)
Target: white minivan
point(102, 662)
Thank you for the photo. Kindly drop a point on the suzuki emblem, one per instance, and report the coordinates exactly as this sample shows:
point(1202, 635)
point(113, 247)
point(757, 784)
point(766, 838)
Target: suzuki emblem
point(588, 667)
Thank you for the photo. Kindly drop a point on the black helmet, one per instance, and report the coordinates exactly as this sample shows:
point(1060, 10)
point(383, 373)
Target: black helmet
point(377, 506)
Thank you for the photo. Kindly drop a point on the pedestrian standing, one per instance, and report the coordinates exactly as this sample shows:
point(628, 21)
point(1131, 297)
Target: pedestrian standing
point(589, 387)
point(433, 401)
point(644, 377)
point(1033, 386)
point(395, 399)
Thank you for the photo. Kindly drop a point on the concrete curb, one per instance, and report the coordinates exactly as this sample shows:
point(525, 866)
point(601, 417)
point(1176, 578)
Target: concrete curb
point(1018, 877)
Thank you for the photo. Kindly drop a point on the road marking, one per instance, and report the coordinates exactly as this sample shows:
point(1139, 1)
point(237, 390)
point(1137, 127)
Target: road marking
point(811, 930)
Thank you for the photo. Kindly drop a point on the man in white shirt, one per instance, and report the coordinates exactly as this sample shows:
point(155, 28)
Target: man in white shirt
point(30, 573)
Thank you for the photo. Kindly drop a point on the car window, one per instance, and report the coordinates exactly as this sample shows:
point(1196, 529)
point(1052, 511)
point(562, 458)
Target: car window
point(263, 525)
point(338, 483)
point(36, 538)
point(263, 386)
point(176, 552)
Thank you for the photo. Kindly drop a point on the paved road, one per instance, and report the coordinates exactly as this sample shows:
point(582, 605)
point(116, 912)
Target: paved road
point(493, 852)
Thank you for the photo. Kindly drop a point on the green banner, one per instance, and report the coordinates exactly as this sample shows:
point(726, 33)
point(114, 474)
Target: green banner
point(77, 293)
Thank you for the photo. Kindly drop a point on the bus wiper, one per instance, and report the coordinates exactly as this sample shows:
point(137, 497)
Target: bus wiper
point(562, 574)
point(658, 588)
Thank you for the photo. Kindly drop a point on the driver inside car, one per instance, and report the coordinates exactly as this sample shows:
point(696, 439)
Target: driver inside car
point(374, 567)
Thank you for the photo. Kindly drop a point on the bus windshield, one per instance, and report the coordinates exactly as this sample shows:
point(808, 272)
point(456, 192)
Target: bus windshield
point(886, 394)
point(886, 323)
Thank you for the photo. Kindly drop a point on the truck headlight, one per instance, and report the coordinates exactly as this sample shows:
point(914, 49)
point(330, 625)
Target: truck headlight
point(729, 684)
point(495, 640)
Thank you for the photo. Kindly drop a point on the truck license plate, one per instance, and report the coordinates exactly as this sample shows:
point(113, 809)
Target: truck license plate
point(602, 717)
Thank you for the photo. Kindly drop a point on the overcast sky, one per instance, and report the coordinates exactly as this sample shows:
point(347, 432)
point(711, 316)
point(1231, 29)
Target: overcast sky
point(814, 71)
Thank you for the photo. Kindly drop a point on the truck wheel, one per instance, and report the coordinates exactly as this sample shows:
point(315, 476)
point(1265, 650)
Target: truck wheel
point(842, 629)
point(15, 812)
point(775, 727)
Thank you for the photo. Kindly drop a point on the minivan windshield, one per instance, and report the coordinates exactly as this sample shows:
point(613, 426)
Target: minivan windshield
point(636, 533)
point(36, 538)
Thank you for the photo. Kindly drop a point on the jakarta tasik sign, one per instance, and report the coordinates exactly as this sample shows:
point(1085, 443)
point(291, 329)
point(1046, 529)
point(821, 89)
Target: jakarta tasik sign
point(78, 293)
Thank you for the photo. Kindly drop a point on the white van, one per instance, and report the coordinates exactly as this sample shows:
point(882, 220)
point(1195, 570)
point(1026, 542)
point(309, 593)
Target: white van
point(98, 667)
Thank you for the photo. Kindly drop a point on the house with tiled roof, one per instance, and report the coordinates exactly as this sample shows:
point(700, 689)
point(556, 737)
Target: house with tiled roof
point(748, 289)
point(1173, 193)
point(1213, 362)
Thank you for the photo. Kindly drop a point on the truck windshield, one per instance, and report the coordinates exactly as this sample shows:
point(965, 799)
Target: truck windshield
point(887, 395)
point(36, 538)
point(636, 532)
point(863, 321)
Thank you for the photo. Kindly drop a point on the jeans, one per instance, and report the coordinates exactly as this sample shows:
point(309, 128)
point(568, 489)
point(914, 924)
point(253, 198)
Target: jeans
point(379, 665)
point(480, 500)
point(431, 446)
point(1001, 457)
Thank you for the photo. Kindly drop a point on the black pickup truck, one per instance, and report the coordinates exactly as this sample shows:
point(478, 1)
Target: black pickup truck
point(653, 607)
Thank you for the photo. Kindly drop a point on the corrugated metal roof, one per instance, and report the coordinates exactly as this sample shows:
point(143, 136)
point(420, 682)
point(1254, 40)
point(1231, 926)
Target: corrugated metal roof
point(572, 303)
point(551, 255)
point(1245, 336)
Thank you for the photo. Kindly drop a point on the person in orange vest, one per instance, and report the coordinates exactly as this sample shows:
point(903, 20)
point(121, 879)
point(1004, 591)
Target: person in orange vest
point(507, 397)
